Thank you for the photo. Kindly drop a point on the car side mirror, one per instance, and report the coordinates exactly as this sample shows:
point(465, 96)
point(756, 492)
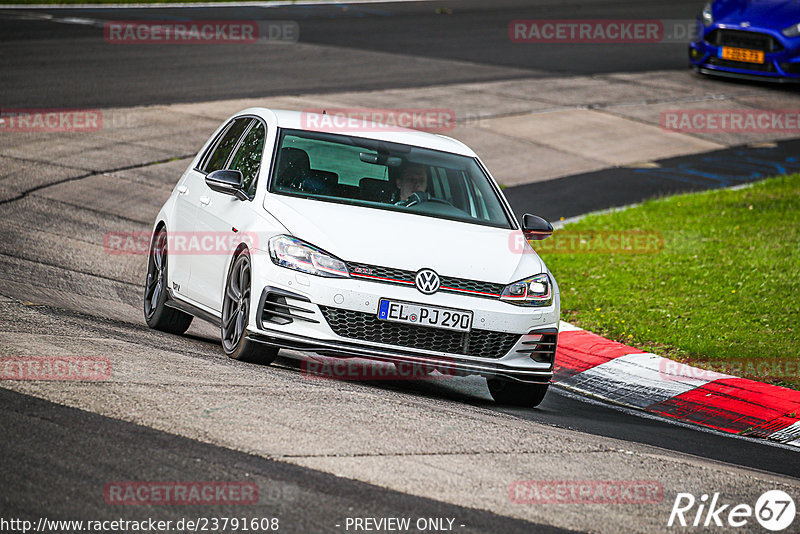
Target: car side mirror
point(535, 228)
point(230, 182)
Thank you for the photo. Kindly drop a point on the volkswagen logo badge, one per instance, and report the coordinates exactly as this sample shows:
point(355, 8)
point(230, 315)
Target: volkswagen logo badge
point(427, 281)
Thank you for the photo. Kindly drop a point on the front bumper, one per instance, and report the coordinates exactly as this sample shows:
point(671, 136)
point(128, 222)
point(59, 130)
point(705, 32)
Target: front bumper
point(451, 365)
point(781, 54)
point(293, 311)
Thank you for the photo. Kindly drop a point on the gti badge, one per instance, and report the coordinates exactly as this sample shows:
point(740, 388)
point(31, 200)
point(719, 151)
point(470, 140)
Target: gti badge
point(427, 281)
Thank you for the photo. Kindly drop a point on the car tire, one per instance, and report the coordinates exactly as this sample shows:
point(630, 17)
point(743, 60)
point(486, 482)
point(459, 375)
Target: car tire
point(515, 393)
point(235, 314)
point(157, 314)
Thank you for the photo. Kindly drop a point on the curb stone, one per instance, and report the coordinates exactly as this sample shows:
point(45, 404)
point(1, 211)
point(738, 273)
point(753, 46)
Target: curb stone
point(592, 365)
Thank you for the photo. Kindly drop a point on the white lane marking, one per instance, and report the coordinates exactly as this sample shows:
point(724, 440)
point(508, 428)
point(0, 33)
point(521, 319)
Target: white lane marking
point(77, 20)
point(263, 25)
point(639, 380)
point(285, 3)
point(60, 20)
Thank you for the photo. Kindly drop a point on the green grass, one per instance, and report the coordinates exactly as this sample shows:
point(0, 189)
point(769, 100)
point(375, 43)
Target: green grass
point(723, 290)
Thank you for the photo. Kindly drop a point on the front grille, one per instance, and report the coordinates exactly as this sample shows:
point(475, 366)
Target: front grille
point(449, 284)
point(744, 39)
point(367, 327)
point(463, 285)
point(791, 68)
point(761, 67)
point(388, 273)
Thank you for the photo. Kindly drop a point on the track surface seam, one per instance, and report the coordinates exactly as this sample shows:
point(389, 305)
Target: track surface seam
point(27, 192)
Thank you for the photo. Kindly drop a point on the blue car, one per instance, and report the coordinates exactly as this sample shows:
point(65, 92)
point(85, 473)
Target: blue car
point(749, 39)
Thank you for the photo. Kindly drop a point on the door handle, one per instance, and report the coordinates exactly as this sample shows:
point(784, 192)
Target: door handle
point(182, 189)
point(204, 200)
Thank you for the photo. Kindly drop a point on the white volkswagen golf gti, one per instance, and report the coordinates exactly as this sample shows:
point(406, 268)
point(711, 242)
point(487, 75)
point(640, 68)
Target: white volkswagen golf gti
point(355, 241)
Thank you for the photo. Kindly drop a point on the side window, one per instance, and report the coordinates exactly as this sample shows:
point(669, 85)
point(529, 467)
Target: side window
point(248, 157)
point(226, 145)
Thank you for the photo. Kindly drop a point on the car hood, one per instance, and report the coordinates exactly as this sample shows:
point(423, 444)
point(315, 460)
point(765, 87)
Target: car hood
point(407, 241)
point(774, 14)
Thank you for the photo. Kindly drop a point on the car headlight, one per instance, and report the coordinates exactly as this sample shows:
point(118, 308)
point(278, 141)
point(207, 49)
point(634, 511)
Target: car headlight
point(707, 15)
point(294, 254)
point(534, 291)
point(791, 31)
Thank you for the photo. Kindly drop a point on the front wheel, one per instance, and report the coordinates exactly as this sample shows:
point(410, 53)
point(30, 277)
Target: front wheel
point(235, 314)
point(516, 393)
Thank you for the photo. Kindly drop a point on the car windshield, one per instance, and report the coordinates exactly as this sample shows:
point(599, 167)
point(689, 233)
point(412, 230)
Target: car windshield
point(383, 175)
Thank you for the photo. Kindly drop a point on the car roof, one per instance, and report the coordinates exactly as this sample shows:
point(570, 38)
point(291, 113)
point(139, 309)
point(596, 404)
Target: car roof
point(356, 127)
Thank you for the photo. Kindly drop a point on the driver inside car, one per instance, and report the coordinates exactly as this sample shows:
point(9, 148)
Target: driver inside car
point(412, 185)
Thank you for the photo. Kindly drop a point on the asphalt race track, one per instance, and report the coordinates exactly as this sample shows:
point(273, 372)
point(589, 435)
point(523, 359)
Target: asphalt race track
point(70, 65)
point(320, 451)
point(564, 197)
point(88, 441)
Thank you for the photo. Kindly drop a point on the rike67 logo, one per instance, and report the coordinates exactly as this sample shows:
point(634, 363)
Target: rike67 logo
point(774, 510)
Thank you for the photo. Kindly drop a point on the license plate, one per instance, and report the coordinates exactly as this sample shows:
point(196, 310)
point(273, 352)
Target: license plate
point(423, 315)
point(742, 54)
